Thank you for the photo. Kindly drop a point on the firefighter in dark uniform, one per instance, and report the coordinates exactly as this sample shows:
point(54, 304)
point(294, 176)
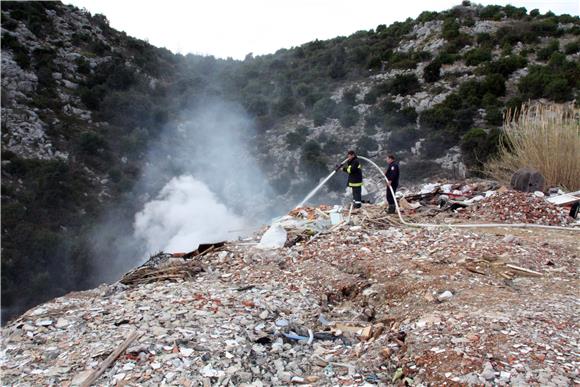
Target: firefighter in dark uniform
point(355, 177)
point(392, 174)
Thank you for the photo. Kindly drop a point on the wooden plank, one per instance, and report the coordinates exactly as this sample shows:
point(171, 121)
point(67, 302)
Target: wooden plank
point(109, 360)
point(524, 270)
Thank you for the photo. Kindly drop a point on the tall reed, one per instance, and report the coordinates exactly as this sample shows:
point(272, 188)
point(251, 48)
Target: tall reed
point(544, 137)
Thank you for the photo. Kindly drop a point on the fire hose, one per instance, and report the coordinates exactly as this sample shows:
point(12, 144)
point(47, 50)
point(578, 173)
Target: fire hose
point(462, 225)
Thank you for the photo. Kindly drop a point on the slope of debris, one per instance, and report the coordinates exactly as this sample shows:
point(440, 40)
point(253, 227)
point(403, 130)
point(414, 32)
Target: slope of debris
point(519, 207)
point(369, 302)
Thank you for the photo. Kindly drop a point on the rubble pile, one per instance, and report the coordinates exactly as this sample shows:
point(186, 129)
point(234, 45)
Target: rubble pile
point(162, 267)
point(360, 302)
point(193, 333)
point(519, 207)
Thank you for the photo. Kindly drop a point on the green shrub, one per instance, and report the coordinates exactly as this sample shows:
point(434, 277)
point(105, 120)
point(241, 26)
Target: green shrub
point(546, 27)
point(313, 161)
point(8, 23)
point(404, 84)
point(494, 116)
point(432, 72)
point(555, 81)
point(348, 116)
point(129, 109)
point(468, 21)
point(121, 77)
point(450, 29)
point(568, 19)
point(416, 170)
point(403, 137)
point(485, 40)
point(389, 113)
point(337, 69)
point(489, 100)
point(256, 105)
point(478, 146)
point(476, 56)
point(491, 12)
point(115, 175)
point(514, 13)
point(92, 97)
point(294, 140)
point(21, 55)
point(437, 117)
point(303, 89)
point(370, 130)
point(365, 145)
point(403, 60)
point(446, 58)
point(83, 66)
point(323, 108)
point(349, 96)
point(375, 62)
point(91, 143)
point(572, 47)
point(422, 56)
point(33, 15)
point(376, 91)
point(516, 32)
point(455, 45)
point(506, 65)
point(546, 52)
point(332, 147)
point(285, 106)
point(494, 84)
point(426, 16)
point(436, 144)
point(400, 117)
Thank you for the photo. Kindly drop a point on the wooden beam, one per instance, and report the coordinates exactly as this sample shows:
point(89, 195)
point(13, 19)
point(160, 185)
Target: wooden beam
point(109, 360)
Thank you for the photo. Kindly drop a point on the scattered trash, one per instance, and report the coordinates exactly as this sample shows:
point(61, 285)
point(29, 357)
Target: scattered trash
point(162, 267)
point(273, 238)
point(518, 207)
point(334, 305)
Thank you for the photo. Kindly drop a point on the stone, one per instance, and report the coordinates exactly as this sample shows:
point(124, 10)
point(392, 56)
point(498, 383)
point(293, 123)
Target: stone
point(488, 372)
point(445, 296)
point(62, 323)
point(528, 180)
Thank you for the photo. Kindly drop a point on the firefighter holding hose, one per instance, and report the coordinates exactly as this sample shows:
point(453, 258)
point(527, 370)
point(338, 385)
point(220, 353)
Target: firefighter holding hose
point(355, 178)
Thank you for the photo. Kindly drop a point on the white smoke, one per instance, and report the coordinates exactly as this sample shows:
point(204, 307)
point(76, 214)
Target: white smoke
point(185, 214)
point(200, 180)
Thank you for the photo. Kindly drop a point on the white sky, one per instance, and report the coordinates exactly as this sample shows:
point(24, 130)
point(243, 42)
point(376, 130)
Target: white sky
point(235, 28)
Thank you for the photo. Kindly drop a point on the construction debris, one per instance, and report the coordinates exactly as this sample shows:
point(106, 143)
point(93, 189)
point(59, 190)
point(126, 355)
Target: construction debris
point(371, 302)
point(519, 207)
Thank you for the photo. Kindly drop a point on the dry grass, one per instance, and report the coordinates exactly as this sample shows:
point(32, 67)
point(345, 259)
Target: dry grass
point(544, 137)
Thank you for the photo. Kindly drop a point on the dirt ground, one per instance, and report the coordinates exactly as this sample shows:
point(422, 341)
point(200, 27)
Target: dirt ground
point(521, 325)
point(369, 303)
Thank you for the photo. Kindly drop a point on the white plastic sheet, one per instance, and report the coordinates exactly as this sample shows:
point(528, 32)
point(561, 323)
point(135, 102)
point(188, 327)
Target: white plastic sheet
point(273, 238)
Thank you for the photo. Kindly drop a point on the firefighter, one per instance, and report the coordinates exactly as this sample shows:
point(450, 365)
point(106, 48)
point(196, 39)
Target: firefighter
point(355, 178)
point(392, 174)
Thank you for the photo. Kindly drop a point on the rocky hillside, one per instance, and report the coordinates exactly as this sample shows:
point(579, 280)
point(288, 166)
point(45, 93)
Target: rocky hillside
point(82, 105)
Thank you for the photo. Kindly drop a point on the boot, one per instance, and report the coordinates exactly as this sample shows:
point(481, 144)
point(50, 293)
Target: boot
point(391, 209)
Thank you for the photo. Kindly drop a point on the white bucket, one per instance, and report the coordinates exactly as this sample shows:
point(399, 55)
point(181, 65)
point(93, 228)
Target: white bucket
point(335, 217)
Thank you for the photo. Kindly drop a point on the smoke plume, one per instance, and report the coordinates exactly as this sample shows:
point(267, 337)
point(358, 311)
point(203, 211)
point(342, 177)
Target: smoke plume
point(200, 183)
point(185, 214)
